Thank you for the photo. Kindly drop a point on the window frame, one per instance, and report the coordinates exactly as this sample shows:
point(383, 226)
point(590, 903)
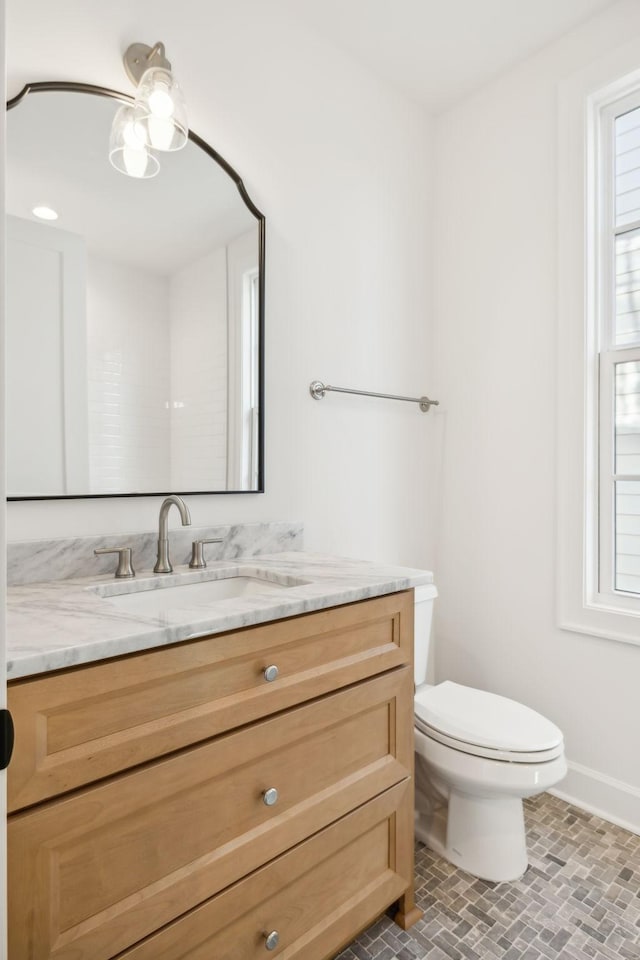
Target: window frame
point(585, 101)
point(604, 233)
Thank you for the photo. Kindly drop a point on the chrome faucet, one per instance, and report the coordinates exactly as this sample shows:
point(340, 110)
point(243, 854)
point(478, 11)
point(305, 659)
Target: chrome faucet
point(163, 563)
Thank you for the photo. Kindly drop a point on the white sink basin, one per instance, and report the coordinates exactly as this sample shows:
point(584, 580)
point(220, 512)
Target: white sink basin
point(163, 600)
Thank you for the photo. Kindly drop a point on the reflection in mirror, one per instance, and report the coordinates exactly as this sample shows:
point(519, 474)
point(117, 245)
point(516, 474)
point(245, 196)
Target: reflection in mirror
point(134, 319)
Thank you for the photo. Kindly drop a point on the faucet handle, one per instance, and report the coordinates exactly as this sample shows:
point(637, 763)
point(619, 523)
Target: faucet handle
point(124, 568)
point(198, 561)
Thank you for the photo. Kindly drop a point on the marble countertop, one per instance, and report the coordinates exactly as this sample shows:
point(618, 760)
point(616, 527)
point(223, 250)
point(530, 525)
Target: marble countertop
point(60, 624)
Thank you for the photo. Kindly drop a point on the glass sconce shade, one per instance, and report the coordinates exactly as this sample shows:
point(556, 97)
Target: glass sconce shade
point(160, 112)
point(128, 151)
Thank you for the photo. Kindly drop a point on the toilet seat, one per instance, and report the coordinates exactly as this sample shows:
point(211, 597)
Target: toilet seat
point(510, 756)
point(485, 724)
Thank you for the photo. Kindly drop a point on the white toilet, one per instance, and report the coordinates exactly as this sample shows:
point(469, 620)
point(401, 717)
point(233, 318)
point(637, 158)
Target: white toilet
point(477, 756)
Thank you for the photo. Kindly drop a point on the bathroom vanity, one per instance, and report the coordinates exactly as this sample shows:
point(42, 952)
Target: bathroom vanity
point(198, 773)
point(245, 791)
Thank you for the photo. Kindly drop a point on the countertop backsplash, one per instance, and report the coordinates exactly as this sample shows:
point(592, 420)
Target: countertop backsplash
point(35, 561)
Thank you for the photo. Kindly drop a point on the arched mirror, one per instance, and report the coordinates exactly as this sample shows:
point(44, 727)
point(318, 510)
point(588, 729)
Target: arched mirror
point(135, 320)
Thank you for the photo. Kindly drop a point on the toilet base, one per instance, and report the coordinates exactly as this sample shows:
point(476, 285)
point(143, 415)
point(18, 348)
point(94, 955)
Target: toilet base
point(484, 836)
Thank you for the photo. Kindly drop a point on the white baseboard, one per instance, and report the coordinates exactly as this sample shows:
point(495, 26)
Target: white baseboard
point(601, 795)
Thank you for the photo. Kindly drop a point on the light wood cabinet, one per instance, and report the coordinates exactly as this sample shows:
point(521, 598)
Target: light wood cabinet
point(174, 804)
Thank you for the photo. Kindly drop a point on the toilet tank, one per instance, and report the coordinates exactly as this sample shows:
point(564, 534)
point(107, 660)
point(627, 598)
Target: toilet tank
point(423, 612)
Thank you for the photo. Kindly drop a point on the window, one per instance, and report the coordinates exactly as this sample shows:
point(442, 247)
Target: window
point(618, 265)
point(599, 350)
point(249, 386)
point(243, 455)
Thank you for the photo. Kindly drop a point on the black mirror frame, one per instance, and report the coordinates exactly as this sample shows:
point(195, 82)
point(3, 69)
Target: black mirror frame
point(72, 87)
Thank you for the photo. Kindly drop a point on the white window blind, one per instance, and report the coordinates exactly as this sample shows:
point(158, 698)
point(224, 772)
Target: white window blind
point(627, 476)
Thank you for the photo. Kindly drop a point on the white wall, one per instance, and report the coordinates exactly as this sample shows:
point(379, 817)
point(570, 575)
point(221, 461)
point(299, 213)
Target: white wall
point(496, 345)
point(128, 351)
point(46, 390)
point(340, 166)
point(35, 436)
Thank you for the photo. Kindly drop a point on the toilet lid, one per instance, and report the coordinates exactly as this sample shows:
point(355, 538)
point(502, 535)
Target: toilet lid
point(484, 719)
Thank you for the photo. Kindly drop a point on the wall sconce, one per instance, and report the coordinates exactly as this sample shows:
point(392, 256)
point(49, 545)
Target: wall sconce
point(157, 120)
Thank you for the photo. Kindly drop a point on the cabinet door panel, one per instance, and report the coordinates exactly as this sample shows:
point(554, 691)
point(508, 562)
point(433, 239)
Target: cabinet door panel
point(81, 725)
point(95, 872)
point(316, 897)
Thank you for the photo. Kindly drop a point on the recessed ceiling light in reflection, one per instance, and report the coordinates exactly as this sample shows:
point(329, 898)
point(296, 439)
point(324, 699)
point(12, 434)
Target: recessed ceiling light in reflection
point(44, 213)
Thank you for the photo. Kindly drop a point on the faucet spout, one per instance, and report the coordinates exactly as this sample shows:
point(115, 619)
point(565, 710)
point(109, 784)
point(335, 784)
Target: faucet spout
point(163, 563)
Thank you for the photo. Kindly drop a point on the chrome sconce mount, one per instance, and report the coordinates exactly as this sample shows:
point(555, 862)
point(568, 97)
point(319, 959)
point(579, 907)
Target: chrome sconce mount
point(139, 57)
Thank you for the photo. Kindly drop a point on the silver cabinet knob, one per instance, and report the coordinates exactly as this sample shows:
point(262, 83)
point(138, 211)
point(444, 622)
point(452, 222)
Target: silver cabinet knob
point(271, 940)
point(270, 797)
point(270, 673)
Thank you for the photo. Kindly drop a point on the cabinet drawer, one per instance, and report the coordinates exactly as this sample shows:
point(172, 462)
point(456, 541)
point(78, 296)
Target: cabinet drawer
point(81, 725)
point(93, 873)
point(316, 897)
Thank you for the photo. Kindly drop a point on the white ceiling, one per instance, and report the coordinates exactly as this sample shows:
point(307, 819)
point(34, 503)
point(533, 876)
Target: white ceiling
point(438, 51)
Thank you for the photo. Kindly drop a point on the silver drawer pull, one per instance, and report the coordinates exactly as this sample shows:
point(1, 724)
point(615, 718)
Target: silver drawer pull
point(270, 673)
point(270, 797)
point(271, 940)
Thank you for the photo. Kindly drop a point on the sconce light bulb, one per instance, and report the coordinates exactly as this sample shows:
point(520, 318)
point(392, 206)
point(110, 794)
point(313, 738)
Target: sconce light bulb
point(160, 110)
point(133, 136)
point(161, 132)
point(135, 161)
point(160, 100)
